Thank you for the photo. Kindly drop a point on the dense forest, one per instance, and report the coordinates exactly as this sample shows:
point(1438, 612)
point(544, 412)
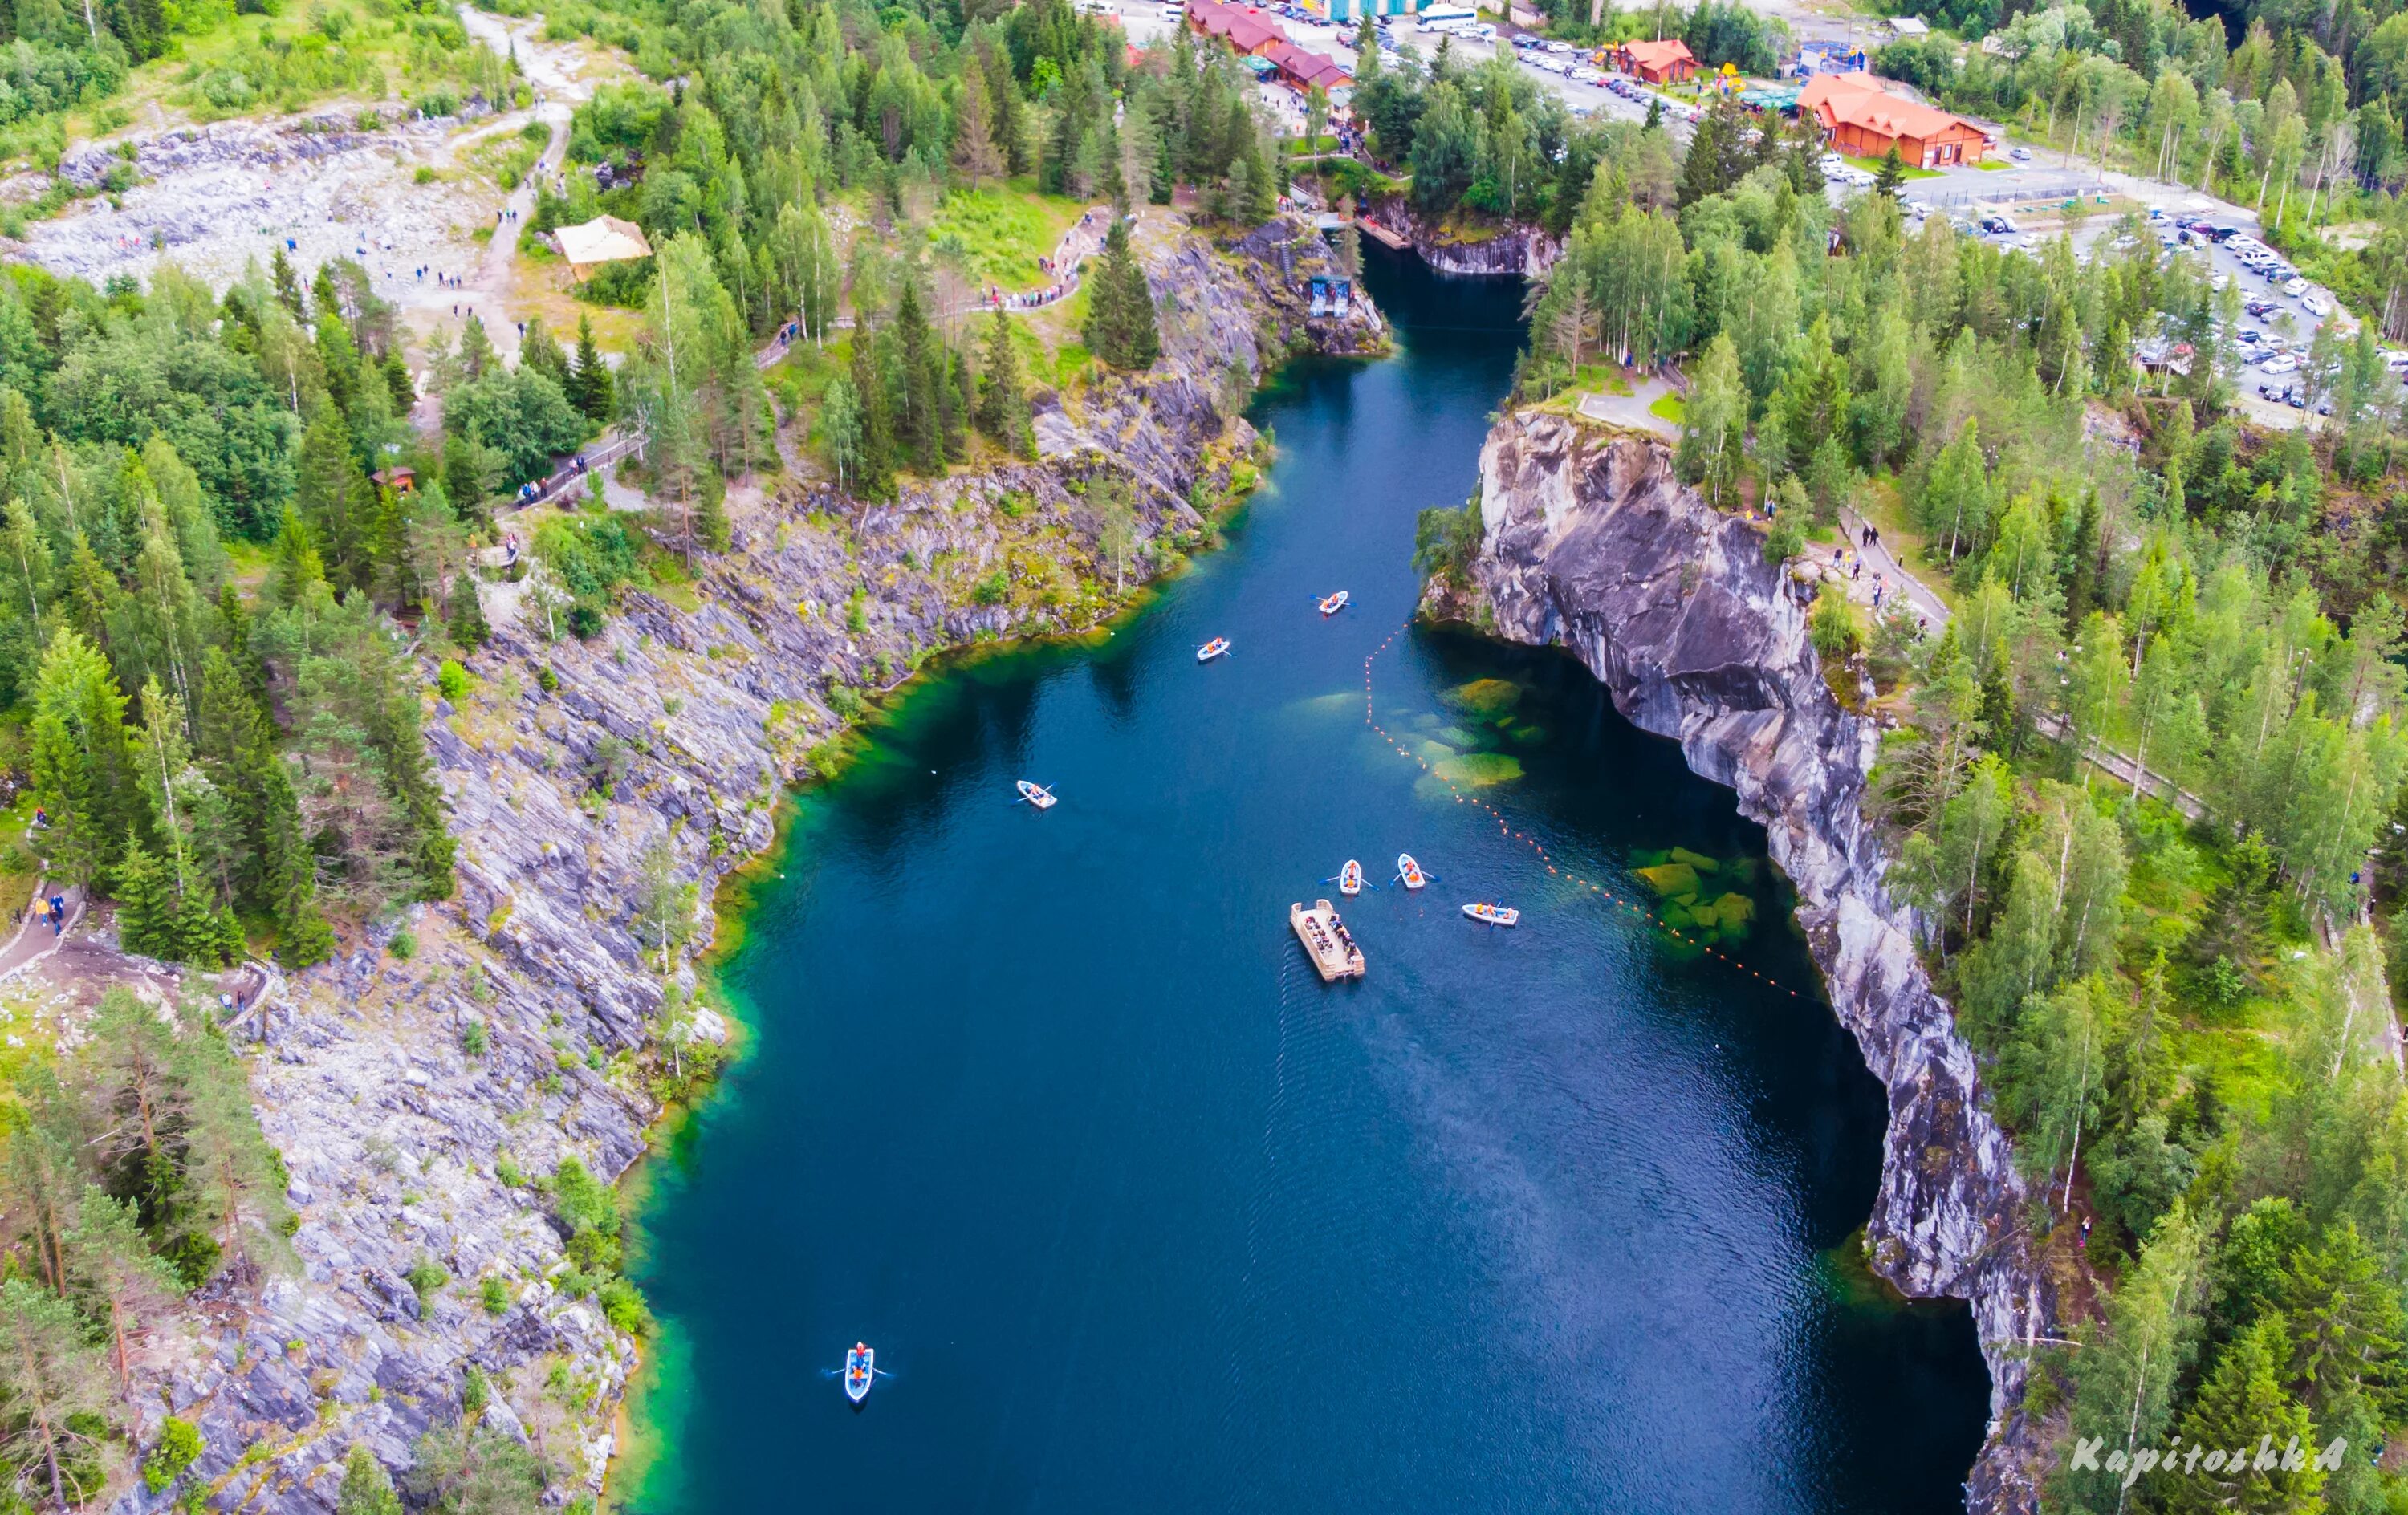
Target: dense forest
point(2205, 1100)
point(237, 544)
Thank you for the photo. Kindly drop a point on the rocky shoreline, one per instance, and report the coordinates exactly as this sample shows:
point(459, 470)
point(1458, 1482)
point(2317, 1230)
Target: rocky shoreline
point(414, 1143)
point(1589, 541)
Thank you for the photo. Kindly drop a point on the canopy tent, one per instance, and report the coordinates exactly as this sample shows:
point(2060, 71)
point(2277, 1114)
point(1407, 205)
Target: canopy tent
point(603, 239)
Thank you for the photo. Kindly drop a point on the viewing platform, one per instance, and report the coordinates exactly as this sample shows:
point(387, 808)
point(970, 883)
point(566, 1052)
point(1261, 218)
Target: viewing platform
point(1326, 941)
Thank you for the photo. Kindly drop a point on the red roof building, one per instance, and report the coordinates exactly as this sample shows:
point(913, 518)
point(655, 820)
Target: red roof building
point(1253, 33)
point(1304, 69)
point(1247, 30)
point(1658, 62)
point(1861, 119)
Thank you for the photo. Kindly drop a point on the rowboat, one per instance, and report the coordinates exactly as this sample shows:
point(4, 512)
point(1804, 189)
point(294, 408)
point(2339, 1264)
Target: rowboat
point(1036, 794)
point(1494, 915)
point(1336, 603)
point(860, 1367)
point(1217, 646)
point(1350, 878)
point(1326, 941)
point(1411, 871)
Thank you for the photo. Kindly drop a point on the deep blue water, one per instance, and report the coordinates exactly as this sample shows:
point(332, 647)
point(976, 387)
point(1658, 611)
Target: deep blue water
point(1142, 1217)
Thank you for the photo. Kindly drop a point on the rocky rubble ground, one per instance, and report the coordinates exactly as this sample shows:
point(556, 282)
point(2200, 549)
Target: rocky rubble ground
point(212, 199)
point(693, 706)
point(1591, 542)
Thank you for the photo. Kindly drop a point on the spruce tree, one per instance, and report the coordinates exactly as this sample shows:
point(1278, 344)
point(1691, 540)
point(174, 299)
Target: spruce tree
point(468, 626)
point(590, 388)
point(1120, 313)
point(288, 283)
point(476, 353)
point(82, 763)
point(921, 432)
point(1892, 174)
point(335, 500)
point(876, 469)
point(538, 353)
point(2240, 1406)
point(145, 902)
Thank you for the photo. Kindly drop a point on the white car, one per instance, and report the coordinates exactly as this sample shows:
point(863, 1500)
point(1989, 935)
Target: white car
point(2295, 286)
point(2314, 304)
point(2281, 363)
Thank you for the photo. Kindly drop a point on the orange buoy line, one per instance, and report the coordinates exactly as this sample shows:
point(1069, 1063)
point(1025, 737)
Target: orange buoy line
point(1505, 827)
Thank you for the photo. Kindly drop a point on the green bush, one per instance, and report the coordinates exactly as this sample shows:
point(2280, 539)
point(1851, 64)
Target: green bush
point(622, 1306)
point(590, 1209)
point(426, 1278)
point(994, 589)
point(179, 1447)
point(452, 680)
point(494, 1294)
point(404, 944)
point(472, 1038)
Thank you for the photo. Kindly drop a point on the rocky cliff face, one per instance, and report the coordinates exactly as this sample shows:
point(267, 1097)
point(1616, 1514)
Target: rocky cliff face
point(1516, 251)
point(410, 1139)
point(1591, 542)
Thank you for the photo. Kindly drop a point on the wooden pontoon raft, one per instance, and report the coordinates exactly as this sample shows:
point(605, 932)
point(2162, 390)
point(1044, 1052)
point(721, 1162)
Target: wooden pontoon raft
point(1326, 941)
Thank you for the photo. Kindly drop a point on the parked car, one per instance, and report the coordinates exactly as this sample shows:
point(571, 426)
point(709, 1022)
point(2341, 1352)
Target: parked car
point(2294, 286)
point(2260, 309)
point(2020, 154)
point(2281, 363)
point(1997, 225)
point(2316, 304)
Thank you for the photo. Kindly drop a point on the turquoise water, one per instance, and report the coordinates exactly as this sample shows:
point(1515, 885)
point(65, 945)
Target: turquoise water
point(1141, 1216)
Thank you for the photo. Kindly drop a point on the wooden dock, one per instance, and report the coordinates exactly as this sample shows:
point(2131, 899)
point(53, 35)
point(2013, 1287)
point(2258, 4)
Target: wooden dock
point(1383, 235)
point(1326, 941)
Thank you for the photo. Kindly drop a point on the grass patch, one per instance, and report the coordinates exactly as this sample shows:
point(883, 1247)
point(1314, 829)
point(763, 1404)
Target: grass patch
point(997, 235)
point(1994, 166)
point(1668, 406)
point(1874, 165)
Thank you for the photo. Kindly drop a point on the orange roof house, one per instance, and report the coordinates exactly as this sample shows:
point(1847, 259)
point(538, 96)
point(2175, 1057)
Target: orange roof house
point(1861, 119)
point(1658, 62)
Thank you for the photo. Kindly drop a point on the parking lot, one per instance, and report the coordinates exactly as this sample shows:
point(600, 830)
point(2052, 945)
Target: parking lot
point(2028, 189)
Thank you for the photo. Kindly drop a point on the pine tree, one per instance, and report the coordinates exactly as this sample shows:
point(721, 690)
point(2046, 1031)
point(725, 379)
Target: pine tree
point(231, 1198)
point(51, 1378)
point(590, 388)
point(112, 1268)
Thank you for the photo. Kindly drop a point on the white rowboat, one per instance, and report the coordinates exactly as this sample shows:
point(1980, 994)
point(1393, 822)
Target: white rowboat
point(1350, 878)
point(860, 1367)
point(1494, 915)
point(1336, 603)
point(1218, 646)
point(1411, 871)
point(1036, 794)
